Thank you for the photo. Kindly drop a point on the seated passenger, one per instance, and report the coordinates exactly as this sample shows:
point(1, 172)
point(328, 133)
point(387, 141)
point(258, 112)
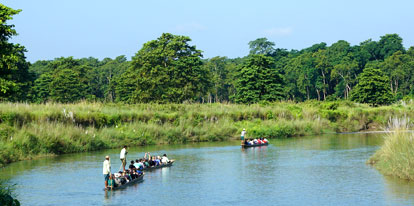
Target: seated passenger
point(131, 166)
point(139, 165)
point(251, 142)
point(259, 141)
point(265, 140)
point(146, 163)
point(255, 141)
point(152, 162)
point(158, 161)
point(165, 159)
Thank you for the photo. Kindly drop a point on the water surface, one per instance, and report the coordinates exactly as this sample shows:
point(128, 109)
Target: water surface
point(319, 170)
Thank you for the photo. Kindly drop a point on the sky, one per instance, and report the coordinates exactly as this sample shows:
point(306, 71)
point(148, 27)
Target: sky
point(103, 28)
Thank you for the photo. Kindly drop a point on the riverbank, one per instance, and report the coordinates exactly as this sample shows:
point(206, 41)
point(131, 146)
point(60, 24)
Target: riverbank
point(396, 155)
point(33, 130)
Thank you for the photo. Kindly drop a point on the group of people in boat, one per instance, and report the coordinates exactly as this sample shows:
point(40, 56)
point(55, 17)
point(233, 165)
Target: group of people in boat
point(256, 141)
point(135, 169)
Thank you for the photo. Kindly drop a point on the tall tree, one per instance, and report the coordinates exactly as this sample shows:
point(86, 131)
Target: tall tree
point(262, 46)
point(389, 44)
point(166, 70)
point(258, 80)
point(221, 72)
point(400, 69)
point(373, 88)
point(14, 75)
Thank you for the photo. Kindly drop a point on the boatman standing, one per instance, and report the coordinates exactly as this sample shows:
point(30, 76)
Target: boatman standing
point(106, 170)
point(243, 133)
point(122, 156)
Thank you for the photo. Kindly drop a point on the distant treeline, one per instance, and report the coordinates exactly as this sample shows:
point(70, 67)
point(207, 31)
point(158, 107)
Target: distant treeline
point(170, 70)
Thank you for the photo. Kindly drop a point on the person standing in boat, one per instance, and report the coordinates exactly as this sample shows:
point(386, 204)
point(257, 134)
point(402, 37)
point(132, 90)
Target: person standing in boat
point(106, 170)
point(122, 156)
point(243, 134)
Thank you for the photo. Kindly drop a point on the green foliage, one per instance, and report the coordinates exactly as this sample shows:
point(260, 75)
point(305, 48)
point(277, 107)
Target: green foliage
point(170, 70)
point(395, 157)
point(32, 130)
point(262, 46)
point(373, 88)
point(258, 80)
point(6, 196)
point(389, 44)
point(15, 79)
point(165, 70)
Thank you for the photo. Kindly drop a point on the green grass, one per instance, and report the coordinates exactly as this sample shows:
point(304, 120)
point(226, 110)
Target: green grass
point(34, 130)
point(396, 156)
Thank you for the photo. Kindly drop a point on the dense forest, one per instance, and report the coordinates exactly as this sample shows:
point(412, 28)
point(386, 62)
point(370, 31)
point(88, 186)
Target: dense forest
point(171, 70)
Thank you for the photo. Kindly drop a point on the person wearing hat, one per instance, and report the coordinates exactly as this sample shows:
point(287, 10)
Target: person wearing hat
point(106, 170)
point(243, 133)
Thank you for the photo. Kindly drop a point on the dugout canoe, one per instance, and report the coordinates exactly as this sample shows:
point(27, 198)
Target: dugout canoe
point(138, 179)
point(255, 145)
point(159, 166)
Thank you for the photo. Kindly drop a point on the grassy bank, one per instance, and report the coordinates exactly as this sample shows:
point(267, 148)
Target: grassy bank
point(396, 156)
point(32, 130)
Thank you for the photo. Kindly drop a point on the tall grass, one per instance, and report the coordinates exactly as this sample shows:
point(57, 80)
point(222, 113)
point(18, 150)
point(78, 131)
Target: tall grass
point(32, 130)
point(396, 155)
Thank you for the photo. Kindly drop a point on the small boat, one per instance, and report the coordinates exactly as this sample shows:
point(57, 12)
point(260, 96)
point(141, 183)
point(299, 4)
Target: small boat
point(255, 145)
point(159, 166)
point(138, 179)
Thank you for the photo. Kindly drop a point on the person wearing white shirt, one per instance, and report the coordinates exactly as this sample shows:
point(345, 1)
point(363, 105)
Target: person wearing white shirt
point(122, 156)
point(243, 133)
point(165, 159)
point(106, 170)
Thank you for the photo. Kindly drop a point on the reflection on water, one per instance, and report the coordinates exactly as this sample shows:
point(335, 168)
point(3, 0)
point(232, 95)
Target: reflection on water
point(324, 170)
point(400, 189)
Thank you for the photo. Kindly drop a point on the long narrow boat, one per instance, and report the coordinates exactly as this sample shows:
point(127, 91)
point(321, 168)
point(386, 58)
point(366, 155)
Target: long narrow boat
point(138, 179)
point(255, 145)
point(159, 166)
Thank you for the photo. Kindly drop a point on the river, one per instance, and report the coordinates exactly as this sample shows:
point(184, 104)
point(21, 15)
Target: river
point(317, 170)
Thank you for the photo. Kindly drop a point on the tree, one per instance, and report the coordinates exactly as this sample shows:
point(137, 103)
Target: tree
point(67, 86)
point(15, 78)
point(103, 75)
point(221, 70)
point(258, 80)
point(42, 88)
point(373, 88)
point(165, 70)
point(65, 80)
point(389, 44)
point(262, 46)
point(400, 69)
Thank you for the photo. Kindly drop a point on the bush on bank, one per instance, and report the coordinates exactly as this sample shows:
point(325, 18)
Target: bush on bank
point(32, 130)
point(6, 196)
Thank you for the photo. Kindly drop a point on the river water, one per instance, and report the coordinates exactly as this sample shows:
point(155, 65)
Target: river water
point(318, 170)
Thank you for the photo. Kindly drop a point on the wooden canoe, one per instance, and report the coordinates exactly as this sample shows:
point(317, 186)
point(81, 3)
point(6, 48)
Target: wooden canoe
point(159, 166)
point(255, 145)
point(138, 179)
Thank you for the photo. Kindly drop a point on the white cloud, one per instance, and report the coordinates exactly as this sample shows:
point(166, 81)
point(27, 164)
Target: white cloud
point(285, 31)
point(191, 27)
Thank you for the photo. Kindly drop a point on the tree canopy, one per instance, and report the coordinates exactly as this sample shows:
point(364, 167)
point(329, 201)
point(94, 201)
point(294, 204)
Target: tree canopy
point(165, 70)
point(372, 88)
point(170, 69)
point(15, 79)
